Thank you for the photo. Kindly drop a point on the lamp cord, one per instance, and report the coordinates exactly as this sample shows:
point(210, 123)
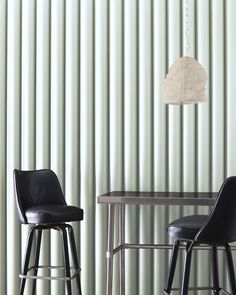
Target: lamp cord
point(187, 27)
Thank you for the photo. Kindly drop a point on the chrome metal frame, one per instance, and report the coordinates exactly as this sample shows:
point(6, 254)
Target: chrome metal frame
point(122, 249)
point(198, 289)
point(110, 245)
point(75, 270)
point(120, 200)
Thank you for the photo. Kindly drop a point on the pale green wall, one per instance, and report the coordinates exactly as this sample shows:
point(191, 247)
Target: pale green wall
point(81, 92)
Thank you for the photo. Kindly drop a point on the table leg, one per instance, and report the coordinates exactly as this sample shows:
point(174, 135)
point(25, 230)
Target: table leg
point(122, 251)
point(110, 245)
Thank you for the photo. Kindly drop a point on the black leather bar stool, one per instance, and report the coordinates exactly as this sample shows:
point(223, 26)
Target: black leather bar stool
point(40, 202)
point(217, 229)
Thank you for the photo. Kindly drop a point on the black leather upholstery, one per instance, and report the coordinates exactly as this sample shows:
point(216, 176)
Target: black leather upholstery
point(40, 202)
point(219, 228)
point(53, 214)
point(40, 199)
point(187, 227)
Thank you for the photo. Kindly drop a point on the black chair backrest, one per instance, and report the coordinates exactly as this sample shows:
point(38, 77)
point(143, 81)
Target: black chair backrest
point(34, 188)
point(221, 225)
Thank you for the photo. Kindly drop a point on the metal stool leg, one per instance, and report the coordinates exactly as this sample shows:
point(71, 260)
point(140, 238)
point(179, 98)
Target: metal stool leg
point(75, 257)
point(109, 254)
point(231, 272)
point(187, 266)
point(36, 259)
point(66, 259)
point(27, 259)
point(172, 267)
point(215, 271)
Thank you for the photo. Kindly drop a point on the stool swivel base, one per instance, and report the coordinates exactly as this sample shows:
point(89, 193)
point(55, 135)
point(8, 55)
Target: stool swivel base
point(70, 273)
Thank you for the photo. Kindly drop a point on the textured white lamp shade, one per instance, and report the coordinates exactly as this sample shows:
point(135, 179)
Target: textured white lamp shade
point(185, 82)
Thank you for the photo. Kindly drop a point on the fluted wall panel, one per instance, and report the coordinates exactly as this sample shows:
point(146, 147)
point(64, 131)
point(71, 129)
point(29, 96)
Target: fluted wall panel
point(203, 126)
point(42, 111)
point(174, 129)
point(71, 105)
point(27, 97)
point(145, 138)
point(57, 119)
point(102, 160)
point(160, 136)
point(131, 146)
point(188, 124)
point(87, 103)
point(81, 93)
point(13, 139)
point(3, 104)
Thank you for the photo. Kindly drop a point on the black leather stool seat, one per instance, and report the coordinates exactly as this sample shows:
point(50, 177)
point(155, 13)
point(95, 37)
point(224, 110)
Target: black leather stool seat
point(53, 214)
point(41, 203)
point(216, 229)
point(187, 227)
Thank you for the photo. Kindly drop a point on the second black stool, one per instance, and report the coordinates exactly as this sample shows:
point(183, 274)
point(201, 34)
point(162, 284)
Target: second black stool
point(217, 229)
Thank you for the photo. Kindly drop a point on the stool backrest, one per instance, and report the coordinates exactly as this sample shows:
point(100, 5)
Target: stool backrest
point(34, 188)
point(221, 225)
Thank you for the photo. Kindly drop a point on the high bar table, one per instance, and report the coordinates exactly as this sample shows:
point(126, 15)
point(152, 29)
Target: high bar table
point(122, 198)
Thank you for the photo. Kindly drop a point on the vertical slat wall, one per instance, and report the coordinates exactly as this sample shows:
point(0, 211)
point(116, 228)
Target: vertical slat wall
point(81, 93)
point(72, 56)
point(57, 122)
point(42, 112)
point(203, 125)
point(218, 104)
point(3, 101)
point(174, 127)
point(230, 89)
point(87, 143)
point(145, 138)
point(28, 97)
point(102, 163)
point(131, 147)
point(160, 135)
point(116, 103)
point(13, 140)
point(188, 123)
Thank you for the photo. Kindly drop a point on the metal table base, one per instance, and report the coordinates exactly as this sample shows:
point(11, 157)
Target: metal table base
point(120, 199)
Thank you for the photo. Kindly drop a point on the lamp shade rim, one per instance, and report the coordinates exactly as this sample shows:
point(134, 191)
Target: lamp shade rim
point(182, 102)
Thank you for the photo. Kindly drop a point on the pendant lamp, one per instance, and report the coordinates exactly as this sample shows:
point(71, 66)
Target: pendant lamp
point(185, 82)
